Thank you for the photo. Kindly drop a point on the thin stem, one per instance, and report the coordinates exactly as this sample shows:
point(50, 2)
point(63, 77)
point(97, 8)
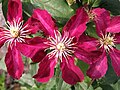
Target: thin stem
point(59, 84)
point(88, 2)
point(91, 82)
point(59, 80)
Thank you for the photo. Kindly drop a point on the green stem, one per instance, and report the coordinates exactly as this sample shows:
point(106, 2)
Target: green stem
point(59, 84)
point(91, 82)
point(59, 80)
point(88, 2)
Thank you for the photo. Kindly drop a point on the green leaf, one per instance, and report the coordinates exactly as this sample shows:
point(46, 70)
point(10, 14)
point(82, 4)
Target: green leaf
point(91, 30)
point(27, 7)
point(96, 3)
point(33, 68)
point(57, 8)
point(27, 79)
point(2, 64)
point(65, 86)
point(70, 2)
point(35, 88)
point(0, 1)
point(107, 87)
point(99, 88)
point(2, 79)
point(112, 5)
point(51, 84)
point(116, 86)
point(4, 7)
point(91, 3)
point(118, 46)
point(88, 80)
point(83, 66)
point(83, 86)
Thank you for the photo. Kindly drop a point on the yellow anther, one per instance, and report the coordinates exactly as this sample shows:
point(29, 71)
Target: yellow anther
point(14, 32)
point(60, 46)
point(107, 41)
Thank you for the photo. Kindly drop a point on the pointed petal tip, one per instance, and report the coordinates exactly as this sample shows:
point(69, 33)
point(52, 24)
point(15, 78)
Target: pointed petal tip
point(102, 20)
point(14, 10)
point(77, 23)
point(46, 70)
point(71, 74)
point(46, 22)
point(41, 80)
point(114, 26)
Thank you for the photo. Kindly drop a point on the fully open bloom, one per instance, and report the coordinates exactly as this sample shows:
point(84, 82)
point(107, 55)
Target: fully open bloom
point(63, 47)
point(15, 35)
point(108, 31)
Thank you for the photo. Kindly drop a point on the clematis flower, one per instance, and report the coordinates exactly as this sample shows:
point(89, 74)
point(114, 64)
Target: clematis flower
point(62, 47)
point(107, 29)
point(15, 35)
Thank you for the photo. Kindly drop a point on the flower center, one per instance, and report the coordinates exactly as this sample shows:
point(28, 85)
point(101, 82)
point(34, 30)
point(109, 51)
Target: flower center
point(14, 32)
point(60, 46)
point(107, 41)
point(91, 15)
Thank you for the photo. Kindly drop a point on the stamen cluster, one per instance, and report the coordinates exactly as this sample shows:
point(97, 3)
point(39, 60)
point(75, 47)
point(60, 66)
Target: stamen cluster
point(15, 32)
point(107, 41)
point(61, 46)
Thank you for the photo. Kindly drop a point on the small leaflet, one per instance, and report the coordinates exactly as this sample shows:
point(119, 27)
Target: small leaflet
point(70, 2)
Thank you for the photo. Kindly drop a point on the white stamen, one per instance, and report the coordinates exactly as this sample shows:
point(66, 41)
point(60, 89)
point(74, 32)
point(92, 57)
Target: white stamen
point(15, 32)
point(107, 41)
point(61, 46)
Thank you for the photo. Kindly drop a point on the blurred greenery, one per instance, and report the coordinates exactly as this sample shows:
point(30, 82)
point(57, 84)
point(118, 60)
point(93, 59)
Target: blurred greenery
point(91, 30)
point(112, 5)
point(57, 8)
point(2, 79)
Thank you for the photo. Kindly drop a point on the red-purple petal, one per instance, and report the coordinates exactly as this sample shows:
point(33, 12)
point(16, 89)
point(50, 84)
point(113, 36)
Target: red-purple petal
point(114, 26)
point(2, 38)
point(117, 38)
point(14, 10)
point(32, 25)
point(33, 48)
point(46, 69)
point(115, 59)
point(36, 40)
point(87, 43)
point(71, 74)
point(99, 68)
point(2, 43)
point(38, 56)
point(14, 63)
point(46, 22)
point(101, 20)
point(77, 24)
point(88, 57)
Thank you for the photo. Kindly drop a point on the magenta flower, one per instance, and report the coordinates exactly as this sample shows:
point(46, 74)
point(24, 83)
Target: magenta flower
point(62, 48)
point(15, 35)
point(108, 31)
